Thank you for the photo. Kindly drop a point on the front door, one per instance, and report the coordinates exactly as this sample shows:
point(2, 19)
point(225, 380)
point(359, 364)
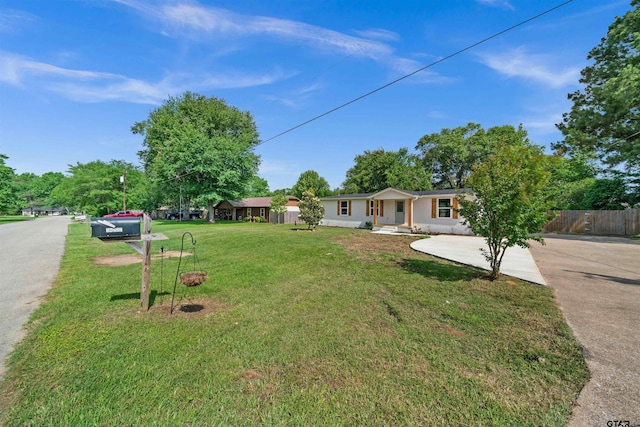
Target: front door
point(399, 211)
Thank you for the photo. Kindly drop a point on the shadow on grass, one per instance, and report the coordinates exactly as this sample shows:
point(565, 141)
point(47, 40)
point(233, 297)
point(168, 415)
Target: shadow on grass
point(440, 271)
point(136, 295)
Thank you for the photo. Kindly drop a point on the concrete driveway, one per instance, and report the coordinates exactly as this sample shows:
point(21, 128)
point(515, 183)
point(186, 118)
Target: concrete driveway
point(31, 253)
point(597, 285)
point(517, 261)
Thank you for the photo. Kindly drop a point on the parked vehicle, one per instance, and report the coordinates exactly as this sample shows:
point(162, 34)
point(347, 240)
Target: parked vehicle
point(123, 214)
point(178, 214)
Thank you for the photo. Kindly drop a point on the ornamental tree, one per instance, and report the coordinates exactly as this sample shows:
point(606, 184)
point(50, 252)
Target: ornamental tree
point(511, 200)
point(311, 210)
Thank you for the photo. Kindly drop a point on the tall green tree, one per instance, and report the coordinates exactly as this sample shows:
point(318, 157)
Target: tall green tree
point(311, 210)
point(511, 200)
point(451, 153)
point(311, 179)
point(95, 187)
point(257, 187)
point(572, 177)
point(34, 190)
point(379, 169)
point(605, 116)
point(199, 147)
point(606, 194)
point(282, 191)
point(8, 197)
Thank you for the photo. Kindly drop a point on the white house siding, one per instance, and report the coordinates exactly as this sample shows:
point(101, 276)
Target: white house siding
point(418, 212)
point(357, 219)
point(423, 221)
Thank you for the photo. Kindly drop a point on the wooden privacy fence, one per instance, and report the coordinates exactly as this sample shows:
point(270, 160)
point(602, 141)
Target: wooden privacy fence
point(599, 223)
point(289, 217)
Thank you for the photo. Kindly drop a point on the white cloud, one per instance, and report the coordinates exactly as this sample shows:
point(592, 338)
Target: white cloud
point(209, 20)
point(404, 66)
point(435, 114)
point(519, 63)
point(15, 68)
point(14, 20)
point(378, 33)
point(205, 23)
point(497, 3)
point(92, 86)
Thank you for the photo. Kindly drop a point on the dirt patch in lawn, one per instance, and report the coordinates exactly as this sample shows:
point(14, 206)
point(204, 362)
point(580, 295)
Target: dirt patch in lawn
point(367, 246)
point(128, 259)
point(188, 307)
point(184, 307)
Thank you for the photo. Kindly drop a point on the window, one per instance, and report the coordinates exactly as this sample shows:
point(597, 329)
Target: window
point(372, 207)
point(262, 211)
point(444, 208)
point(248, 211)
point(344, 207)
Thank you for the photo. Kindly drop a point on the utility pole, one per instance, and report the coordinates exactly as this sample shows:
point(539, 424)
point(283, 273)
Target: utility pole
point(123, 181)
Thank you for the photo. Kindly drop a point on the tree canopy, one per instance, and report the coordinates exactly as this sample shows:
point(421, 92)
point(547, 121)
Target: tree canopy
point(35, 191)
point(200, 147)
point(572, 177)
point(7, 190)
point(311, 179)
point(510, 201)
point(605, 116)
point(95, 187)
point(451, 153)
point(379, 169)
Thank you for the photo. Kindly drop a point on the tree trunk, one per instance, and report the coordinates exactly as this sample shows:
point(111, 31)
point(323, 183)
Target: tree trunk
point(496, 260)
point(211, 213)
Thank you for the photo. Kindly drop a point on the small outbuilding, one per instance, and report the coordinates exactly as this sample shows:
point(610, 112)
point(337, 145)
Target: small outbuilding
point(238, 210)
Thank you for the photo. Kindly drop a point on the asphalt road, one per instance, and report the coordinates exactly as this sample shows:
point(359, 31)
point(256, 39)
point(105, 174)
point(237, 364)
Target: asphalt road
point(597, 285)
point(31, 253)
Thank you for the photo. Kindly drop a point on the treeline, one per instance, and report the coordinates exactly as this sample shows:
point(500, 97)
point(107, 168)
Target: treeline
point(442, 160)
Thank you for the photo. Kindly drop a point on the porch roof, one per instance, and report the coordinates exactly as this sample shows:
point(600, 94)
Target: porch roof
point(407, 192)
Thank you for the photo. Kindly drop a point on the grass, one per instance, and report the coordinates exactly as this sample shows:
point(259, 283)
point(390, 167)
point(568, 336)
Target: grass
point(334, 327)
point(5, 219)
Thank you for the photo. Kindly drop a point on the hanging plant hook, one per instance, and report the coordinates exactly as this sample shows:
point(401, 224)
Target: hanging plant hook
point(189, 279)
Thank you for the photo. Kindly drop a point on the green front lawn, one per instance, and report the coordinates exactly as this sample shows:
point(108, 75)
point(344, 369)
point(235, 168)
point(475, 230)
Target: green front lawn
point(4, 219)
point(334, 327)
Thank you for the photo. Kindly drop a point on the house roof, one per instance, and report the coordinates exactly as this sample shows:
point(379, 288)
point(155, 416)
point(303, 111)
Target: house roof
point(410, 192)
point(254, 202)
point(348, 196)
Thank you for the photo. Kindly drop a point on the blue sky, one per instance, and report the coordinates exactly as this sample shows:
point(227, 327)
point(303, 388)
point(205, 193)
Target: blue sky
point(76, 74)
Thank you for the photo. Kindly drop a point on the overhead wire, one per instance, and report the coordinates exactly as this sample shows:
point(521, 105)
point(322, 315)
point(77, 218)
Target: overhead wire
point(486, 39)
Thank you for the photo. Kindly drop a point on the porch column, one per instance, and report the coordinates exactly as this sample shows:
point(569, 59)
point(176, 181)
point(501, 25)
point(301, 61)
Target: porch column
point(375, 212)
point(410, 212)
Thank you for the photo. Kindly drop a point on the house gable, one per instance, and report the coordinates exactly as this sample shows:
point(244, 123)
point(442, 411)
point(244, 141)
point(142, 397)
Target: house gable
point(392, 193)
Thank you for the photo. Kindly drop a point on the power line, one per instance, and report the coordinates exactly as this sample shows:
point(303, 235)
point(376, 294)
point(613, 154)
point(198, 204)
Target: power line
point(417, 71)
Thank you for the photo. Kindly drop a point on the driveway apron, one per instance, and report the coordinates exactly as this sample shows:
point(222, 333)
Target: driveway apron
point(31, 253)
point(597, 285)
